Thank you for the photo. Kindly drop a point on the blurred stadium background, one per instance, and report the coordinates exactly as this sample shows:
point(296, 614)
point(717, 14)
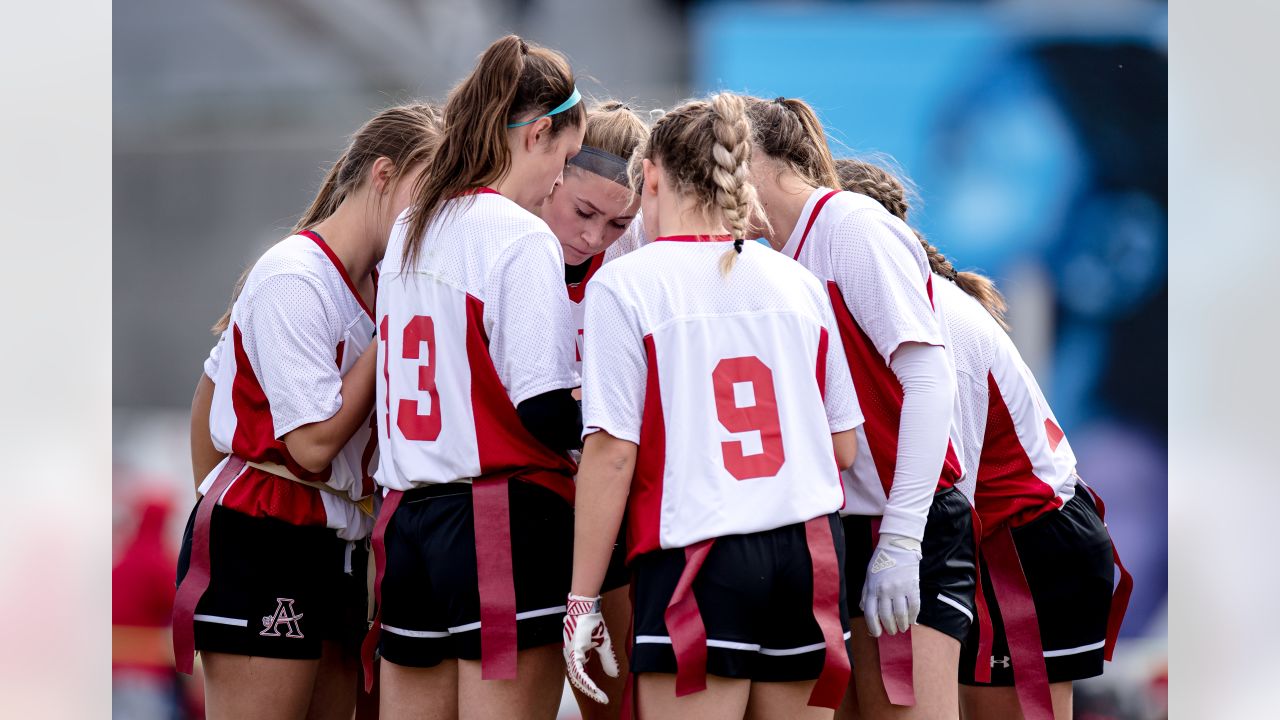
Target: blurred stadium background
point(1035, 133)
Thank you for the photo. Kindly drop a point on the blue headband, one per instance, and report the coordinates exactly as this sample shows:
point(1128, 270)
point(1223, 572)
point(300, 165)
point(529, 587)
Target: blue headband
point(574, 99)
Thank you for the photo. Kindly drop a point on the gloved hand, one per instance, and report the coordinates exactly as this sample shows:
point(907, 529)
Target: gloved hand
point(891, 593)
point(584, 631)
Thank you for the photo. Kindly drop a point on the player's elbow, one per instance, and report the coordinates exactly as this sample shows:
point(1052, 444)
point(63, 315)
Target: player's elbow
point(309, 450)
point(846, 448)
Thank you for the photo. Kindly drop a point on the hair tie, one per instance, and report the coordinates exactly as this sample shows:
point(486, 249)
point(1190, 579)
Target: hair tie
point(781, 100)
point(737, 245)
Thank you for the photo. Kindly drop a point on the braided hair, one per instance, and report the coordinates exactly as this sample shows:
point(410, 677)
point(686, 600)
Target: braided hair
point(878, 184)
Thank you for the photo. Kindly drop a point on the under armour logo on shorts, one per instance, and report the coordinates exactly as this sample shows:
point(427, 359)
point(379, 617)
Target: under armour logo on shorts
point(883, 562)
point(1002, 662)
point(284, 614)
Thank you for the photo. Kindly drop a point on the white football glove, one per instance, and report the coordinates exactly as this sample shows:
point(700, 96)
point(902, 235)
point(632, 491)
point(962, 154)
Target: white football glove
point(891, 593)
point(584, 631)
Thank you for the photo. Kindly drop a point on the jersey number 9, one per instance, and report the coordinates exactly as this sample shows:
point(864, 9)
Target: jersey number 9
point(761, 417)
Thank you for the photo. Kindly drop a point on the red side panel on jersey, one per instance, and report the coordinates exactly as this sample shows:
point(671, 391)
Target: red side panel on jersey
point(503, 443)
point(880, 395)
point(578, 290)
point(644, 509)
point(1008, 489)
point(258, 493)
point(822, 363)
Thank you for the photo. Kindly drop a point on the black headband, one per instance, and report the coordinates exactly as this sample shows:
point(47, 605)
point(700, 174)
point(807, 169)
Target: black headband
point(602, 163)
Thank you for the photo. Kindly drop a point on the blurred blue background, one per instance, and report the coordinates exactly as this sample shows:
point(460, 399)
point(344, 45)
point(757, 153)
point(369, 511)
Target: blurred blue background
point(1034, 135)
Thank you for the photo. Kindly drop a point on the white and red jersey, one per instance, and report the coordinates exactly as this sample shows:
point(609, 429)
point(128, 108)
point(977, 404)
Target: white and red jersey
point(731, 385)
point(880, 286)
point(479, 324)
point(297, 327)
point(632, 239)
point(1019, 462)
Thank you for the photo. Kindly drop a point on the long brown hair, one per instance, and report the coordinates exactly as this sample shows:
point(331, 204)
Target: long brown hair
point(788, 129)
point(512, 78)
point(704, 147)
point(878, 184)
point(404, 134)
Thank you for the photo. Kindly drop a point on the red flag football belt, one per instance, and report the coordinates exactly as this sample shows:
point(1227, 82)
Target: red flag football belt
point(491, 508)
point(689, 634)
point(196, 581)
point(1022, 627)
point(896, 669)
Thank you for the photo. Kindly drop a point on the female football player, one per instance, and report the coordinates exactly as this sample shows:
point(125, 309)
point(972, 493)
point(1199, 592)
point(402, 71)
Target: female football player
point(717, 410)
point(1043, 535)
point(474, 405)
point(272, 569)
point(909, 530)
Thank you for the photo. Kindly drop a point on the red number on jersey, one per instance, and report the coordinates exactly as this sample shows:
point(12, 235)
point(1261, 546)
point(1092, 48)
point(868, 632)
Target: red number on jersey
point(386, 369)
point(761, 417)
point(420, 331)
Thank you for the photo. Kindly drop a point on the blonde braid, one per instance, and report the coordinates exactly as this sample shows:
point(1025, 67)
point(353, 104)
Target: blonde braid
point(735, 196)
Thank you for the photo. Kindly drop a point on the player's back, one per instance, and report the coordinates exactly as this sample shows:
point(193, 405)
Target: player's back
point(735, 437)
point(464, 336)
point(1020, 463)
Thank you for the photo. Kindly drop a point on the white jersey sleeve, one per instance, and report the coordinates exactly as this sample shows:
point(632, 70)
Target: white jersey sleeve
point(885, 283)
point(525, 290)
point(211, 362)
point(840, 398)
point(286, 329)
point(614, 367)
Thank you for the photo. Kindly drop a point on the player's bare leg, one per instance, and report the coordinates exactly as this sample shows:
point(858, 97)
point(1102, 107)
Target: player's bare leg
point(615, 605)
point(848, 709)
point(935, 660)
point(981, 703)
point(784, 700)
point(241, 686)
point(724, 698)
point(337, 681)
point(410, 693)
point(534, 694)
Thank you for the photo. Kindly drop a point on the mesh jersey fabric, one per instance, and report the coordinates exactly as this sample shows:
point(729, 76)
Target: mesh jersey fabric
point(665, 317)
point(478, 324)
point(1018, 461)
point(299, 326)
point(874, 265)
point(491, 249)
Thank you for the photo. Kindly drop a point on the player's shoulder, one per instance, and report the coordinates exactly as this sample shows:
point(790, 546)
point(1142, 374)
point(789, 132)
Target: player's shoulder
point(852, 217)
point(968, 319)
point(296, 260)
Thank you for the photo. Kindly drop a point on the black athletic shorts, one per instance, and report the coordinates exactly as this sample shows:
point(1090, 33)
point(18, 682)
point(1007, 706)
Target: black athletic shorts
point(277, 589)
point(430, 589)
point(1067, 559)
point(947, 573)
point(755, 594)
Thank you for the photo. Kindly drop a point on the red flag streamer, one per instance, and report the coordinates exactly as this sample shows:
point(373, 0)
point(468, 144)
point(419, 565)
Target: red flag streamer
point(684, 625)
point(196, 581)
point(491, 505)
point(834, 680)
point(370, 644)
point(1018, 610)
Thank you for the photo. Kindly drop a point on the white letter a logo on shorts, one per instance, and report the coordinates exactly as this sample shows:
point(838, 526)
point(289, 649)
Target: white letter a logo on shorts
point(284, 614)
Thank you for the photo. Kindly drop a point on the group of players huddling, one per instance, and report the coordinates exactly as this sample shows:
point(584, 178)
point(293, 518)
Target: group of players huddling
point(661, 407)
